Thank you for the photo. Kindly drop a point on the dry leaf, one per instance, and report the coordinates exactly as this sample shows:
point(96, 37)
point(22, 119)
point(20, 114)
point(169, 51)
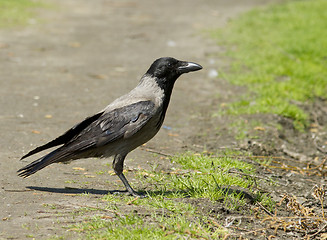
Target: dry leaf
point(173, 135)
point(323, 236)
point(89, 176)
point(111, 173)
point(222, 105)
point(75, 44)
point(48, 116)
point(120, 69)
point(146, 174)
point(79, 168)
point(258, 128)
point(99, 76)
point(314, 130)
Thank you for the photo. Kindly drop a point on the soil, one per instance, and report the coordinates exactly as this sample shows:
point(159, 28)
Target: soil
point(78, 56)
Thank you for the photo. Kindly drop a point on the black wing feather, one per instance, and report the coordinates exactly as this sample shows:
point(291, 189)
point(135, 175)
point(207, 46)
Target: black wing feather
point(102, 128)
point(121, 122)
point(95, 131)
point(67, 136)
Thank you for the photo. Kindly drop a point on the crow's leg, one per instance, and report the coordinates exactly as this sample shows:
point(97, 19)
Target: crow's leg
point(118, 166)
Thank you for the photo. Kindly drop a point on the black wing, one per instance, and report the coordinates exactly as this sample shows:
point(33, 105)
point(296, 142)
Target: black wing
point(120, 123)
point(103, 128)
point(67, 136)
point(94, 131)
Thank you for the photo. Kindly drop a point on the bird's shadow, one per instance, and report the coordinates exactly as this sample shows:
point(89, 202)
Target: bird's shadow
point(68, 190)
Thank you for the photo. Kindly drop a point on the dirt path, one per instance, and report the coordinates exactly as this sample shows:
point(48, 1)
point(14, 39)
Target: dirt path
point(83, 56)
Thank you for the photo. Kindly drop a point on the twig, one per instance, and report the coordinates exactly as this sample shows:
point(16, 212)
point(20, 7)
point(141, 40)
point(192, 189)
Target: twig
point(157, 152)
point(320, 149)
point(323, 227)
point(253, 176)
point(131, 201)
point(246, 233)
point(265, 209)
point(99, 209)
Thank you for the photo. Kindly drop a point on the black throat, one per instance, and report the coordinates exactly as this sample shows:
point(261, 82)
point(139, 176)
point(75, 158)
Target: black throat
point(167, 87)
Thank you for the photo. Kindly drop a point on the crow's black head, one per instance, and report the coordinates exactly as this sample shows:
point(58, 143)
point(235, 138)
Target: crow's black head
point(166, 70)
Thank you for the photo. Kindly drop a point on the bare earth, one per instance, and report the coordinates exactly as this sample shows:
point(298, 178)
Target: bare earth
point(82, 56)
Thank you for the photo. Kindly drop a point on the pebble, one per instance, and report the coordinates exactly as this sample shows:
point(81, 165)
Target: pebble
point(171, 43)
point(212, 73)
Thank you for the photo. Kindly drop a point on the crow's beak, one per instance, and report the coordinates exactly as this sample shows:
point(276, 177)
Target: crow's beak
point(186, 67)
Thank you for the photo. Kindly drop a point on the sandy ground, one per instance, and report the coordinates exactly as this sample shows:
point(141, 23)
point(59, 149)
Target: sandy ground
point(79, 57)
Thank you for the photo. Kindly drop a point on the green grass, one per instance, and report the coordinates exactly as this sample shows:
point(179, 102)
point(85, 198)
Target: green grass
point(171, 209)
point(200, 176)
point(17, 12)
point(209, 175)
point(136, 227)
point(279, 53)
point(163, 219)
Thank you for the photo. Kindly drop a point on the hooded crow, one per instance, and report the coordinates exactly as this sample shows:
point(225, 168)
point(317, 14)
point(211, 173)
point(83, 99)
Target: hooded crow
point(122, 126)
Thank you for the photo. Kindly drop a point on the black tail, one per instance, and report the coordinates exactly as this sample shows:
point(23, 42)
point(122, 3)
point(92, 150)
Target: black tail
point(40, 163)
point(66, 137)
